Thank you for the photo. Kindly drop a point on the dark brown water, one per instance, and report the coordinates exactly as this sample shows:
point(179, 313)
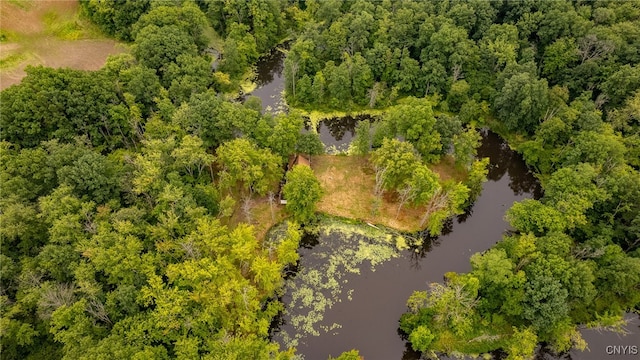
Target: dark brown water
point(370, 319)
point(609, 345)
point(368, 308)
point(338, 132)
point(357, 305)
point(270, 80)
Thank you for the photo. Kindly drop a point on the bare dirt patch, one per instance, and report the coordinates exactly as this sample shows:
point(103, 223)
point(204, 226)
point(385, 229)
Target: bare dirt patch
point(32, 42)
point(79, 54)
point(25, 16)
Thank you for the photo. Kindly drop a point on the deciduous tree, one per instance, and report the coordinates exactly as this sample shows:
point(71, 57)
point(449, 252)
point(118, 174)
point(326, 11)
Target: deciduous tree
point(302, 192)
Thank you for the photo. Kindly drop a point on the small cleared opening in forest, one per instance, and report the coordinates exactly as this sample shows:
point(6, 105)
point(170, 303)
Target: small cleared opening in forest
point(349, 182)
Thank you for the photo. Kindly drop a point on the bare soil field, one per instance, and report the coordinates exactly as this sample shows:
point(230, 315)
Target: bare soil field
point(39, 33)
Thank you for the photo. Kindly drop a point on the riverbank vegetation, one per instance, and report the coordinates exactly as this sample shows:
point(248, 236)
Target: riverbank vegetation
point(390, 182)
point(558, 78)
point(121, 193)
point(128, 194)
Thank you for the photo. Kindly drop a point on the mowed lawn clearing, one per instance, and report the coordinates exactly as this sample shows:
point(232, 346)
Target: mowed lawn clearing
point(49, 33)
point(348, 183)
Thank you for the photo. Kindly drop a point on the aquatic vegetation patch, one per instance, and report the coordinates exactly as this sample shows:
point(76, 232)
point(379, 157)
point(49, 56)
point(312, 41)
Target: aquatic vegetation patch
point(321, 282)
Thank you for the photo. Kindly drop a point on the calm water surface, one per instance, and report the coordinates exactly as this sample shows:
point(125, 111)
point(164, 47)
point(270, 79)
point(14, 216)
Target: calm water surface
point(270, 80)
point(370, 320)
point(368, 313)
point(338, 132)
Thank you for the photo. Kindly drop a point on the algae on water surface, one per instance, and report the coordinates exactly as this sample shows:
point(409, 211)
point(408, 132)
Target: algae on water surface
point(322, 277)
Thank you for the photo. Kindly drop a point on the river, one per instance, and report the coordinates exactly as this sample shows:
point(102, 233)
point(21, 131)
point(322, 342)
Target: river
point(335, 303)
point(270, 80)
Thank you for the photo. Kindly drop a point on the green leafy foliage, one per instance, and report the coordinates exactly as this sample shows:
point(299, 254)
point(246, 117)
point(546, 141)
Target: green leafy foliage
point(396, 160)
point(266, 19)
point(361, 143)
point(254, 169)
point(239, 49)
point(285, 136)
point(302, 192)
point(62, 104)
point(535, 217)
point(187, 17)
point(348, 355)
point(116, 18)
point(414, 121)
point(112, 181)
point(521, 102)
point(464, 147)
point(421, 338)
point(448, 200)
point(476, 177)
point(156, 47)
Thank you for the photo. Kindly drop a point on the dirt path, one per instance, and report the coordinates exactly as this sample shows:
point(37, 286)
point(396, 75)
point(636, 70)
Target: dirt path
point(32, 45)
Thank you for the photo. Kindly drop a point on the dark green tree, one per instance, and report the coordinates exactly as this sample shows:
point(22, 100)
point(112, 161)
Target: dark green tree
point(302, 192)
point(522, 102)
point(157, 47)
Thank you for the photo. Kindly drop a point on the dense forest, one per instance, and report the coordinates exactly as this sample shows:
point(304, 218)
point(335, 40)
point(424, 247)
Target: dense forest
point(125, 193)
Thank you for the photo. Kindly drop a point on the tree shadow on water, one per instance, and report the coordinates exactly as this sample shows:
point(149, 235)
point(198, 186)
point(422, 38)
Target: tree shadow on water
point(426, 243)
point(504, 160)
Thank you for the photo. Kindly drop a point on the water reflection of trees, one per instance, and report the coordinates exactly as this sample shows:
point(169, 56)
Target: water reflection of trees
point(278, 321)
point(545, 353)
point(309, 240)
point(339, 126)
point(408, 353)
point(468, 211)
point(503, 161)
point(269, 66)
point(426, 244)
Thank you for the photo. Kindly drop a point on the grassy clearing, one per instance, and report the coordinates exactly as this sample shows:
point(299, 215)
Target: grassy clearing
point(68, 26)
point(50, 33)
point(348, 183)
point(12, 60)
point(7, 36)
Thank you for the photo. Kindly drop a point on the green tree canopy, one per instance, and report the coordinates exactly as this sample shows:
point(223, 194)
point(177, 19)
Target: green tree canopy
point(396, 160)
point(254, 169)
point(302, 192)
point(156, 47)
point(522, 102)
